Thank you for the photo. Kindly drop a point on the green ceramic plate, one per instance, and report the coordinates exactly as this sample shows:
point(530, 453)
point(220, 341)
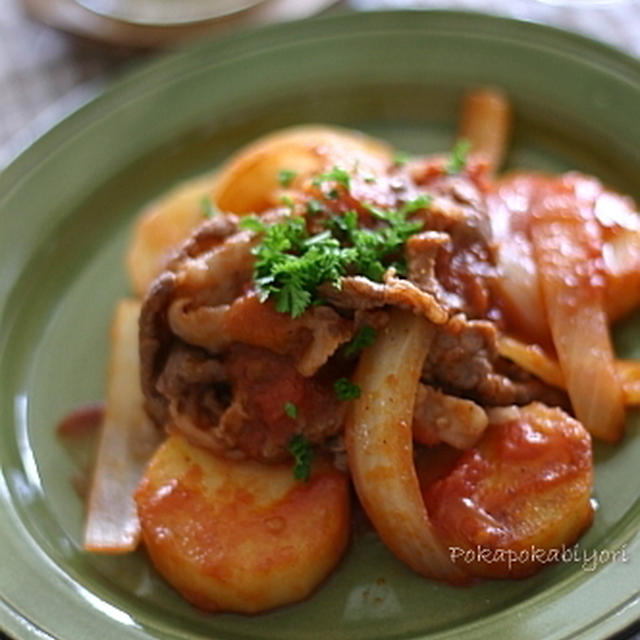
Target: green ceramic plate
point(66, 207)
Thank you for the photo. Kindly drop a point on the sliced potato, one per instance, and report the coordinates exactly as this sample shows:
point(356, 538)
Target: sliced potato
point(162, 226)
point(249, 182)
point(525, 486)
point(238, 535)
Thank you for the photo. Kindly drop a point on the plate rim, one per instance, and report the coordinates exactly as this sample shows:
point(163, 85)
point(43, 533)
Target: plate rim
point(38, 150)
point(130, 78)
point(43, 148)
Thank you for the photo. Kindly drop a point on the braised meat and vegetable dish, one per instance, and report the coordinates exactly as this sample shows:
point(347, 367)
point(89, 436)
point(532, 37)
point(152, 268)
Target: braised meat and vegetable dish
point(325, 324)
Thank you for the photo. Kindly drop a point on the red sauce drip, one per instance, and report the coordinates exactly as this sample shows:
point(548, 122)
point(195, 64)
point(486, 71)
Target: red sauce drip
point(82, 421)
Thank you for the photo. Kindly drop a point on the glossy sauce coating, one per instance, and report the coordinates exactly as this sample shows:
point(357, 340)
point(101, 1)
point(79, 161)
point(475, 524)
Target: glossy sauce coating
point(527, 483)
point(240, 536)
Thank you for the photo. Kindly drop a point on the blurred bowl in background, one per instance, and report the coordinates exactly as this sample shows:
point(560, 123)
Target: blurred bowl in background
point(147, 24)
point(167, 12)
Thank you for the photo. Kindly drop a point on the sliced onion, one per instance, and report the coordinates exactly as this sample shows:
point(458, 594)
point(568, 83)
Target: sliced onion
point(532, 358)
point(629, 374)
point(621, 255)
point(126, 443)
point(518, 285)
point(380, 448)
point(568, 245)
point(486, 122)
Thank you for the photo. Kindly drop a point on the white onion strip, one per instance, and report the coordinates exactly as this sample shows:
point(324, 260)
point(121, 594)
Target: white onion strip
point(567, 242)
point(127, 440)
point(380, 448)
point(485, 122)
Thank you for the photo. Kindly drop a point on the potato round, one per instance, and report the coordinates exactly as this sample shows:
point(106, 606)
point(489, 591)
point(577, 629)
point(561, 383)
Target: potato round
point(238, 535)
point(162, 226)
point(525, 486)
point(249, 181)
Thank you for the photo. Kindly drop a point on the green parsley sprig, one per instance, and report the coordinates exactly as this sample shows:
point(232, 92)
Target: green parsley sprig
point(300, 448)
point(315, 207)
point(458, 160)
point(336, 174)
point(209, 210)
point(346, 390)
point(290, 264)
point(400, 158)
point(291, 410)
point(373, 246)
point(286, 177)
point(365, 337)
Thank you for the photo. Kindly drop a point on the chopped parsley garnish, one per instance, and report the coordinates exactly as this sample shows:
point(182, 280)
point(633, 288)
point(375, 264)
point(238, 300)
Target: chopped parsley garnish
point(423, 201)
point(458, 159)
point(343, 225)
point(286, 177)
point(336, 174)
point(252, 223)
point(208, 208)
point(288, 202)
point(291, 264)
point(345, 389)
point(291, 410)
point(314, 207)
point(374, 245)
point(400, 158)
point(365, 337)
point(300, 448)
